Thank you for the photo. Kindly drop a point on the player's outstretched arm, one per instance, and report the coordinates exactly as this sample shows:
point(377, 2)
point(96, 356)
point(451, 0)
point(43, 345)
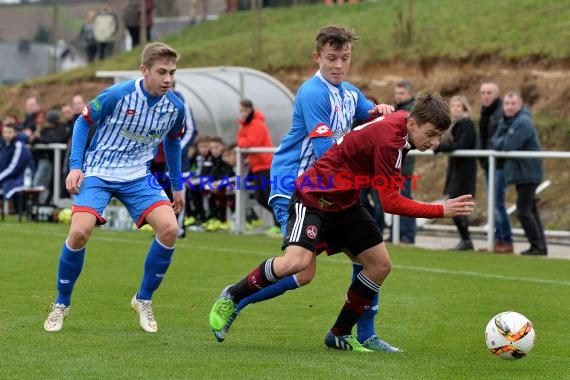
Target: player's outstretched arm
point(462, 205)
point(381, 109)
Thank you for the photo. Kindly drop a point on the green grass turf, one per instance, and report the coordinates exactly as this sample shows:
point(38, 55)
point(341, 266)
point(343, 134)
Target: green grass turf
point(434, 304)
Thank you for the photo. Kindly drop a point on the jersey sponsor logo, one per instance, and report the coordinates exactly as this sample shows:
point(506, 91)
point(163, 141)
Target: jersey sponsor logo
point(96, 104)
point(133, 136)
point(311, 232)
point(323, 203)
point(131, 112)
point(86, 113)
point(321, 130)
point(255, 283)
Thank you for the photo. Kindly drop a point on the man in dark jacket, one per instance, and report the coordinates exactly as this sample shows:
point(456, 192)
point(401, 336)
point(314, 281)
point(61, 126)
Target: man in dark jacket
point(491, 113)
point(516, 132)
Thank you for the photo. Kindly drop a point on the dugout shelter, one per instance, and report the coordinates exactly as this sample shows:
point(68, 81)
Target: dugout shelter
point(214, 93)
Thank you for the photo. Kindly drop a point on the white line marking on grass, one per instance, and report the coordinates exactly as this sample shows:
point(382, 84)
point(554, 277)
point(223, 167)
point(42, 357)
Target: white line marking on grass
point(483, 275)
point(336, 260)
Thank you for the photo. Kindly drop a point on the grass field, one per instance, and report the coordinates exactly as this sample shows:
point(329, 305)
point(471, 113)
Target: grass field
point(434, 304)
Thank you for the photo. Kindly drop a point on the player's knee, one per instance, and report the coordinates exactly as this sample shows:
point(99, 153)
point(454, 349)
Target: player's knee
point(306, 276)
point(78, 237)
point(383, 269)
point(166, 234)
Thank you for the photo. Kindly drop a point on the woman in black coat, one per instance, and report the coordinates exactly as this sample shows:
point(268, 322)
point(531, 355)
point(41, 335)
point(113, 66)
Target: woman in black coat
point(461, 171)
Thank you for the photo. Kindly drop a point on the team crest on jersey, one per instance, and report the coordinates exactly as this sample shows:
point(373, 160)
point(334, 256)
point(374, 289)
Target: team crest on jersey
point(311, 232)
point(131, 112)
point(96, 104)
point(321, 130)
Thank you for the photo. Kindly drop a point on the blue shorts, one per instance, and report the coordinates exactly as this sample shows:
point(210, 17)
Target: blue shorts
point(280, 207)
point(139, 196)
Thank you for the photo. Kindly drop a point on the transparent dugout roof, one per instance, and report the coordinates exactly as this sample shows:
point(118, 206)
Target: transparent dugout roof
point(214, 93)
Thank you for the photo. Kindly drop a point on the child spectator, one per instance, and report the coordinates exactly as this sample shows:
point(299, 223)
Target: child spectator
point(198, 156)
point(215, 169)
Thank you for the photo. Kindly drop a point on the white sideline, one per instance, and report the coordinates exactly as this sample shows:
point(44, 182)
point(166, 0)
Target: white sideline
point(337, 260)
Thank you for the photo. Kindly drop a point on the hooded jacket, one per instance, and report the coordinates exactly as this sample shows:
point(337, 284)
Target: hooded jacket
point(254, 133)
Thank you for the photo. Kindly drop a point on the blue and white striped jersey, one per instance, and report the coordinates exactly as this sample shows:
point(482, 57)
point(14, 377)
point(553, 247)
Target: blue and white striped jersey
point(130, 125)
point(322, 113)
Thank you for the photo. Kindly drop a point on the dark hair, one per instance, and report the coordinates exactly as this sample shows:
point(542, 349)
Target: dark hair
point(230, 147)
point(246, 103)
point(335, 35)
point(406, 84)
point(431, 108)
point(10, 125)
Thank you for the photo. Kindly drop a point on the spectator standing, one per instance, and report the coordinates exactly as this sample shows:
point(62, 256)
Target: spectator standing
point(253, 132)
point(87, 36)
point(491, 114)
point(198, 11)
point(404, 93)
point(32, 108)
point(105, 28)
point(461, 171)
point(132, 18)
point(67, 118)
point(516, 132)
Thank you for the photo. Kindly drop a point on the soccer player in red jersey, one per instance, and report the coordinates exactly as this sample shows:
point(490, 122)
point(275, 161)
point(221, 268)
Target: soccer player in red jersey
point(326, 207)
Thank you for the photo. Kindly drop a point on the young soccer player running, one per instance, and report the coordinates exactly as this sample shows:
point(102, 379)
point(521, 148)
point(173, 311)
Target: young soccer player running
point(325, 108)
point(326, 207)
point(132, 118)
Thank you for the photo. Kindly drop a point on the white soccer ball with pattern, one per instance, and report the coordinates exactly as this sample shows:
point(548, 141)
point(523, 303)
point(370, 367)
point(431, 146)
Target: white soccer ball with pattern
point(509, 335)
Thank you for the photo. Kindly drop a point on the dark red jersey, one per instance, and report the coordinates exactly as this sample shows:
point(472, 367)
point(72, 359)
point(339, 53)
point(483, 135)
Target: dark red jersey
point(369, 156)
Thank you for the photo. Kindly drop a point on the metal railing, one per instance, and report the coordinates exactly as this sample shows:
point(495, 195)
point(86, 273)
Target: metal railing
point(57, 168)
point(492, 156)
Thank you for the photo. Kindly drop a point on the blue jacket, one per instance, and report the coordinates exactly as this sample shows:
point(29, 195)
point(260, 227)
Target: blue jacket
point(15, 157)
point(518, 133)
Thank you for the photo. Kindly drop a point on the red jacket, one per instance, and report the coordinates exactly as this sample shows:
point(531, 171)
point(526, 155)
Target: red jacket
point(256, 134)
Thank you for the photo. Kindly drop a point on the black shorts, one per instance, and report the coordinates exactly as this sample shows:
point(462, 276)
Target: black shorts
point(352, 230)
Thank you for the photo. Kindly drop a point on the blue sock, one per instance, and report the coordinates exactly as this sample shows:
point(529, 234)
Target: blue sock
point(70, 265)
point(155, 267)
point(272, 291)
point(365, 325)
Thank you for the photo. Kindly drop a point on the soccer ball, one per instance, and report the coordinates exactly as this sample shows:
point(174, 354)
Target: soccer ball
point(509, 335)
point(64, 216)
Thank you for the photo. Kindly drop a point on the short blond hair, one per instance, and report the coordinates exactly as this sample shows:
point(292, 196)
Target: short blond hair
point(155, 51)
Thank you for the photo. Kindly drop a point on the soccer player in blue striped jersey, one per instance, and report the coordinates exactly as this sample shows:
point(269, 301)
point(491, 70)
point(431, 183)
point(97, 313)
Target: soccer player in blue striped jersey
point(131, 119)
point(325, 109)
